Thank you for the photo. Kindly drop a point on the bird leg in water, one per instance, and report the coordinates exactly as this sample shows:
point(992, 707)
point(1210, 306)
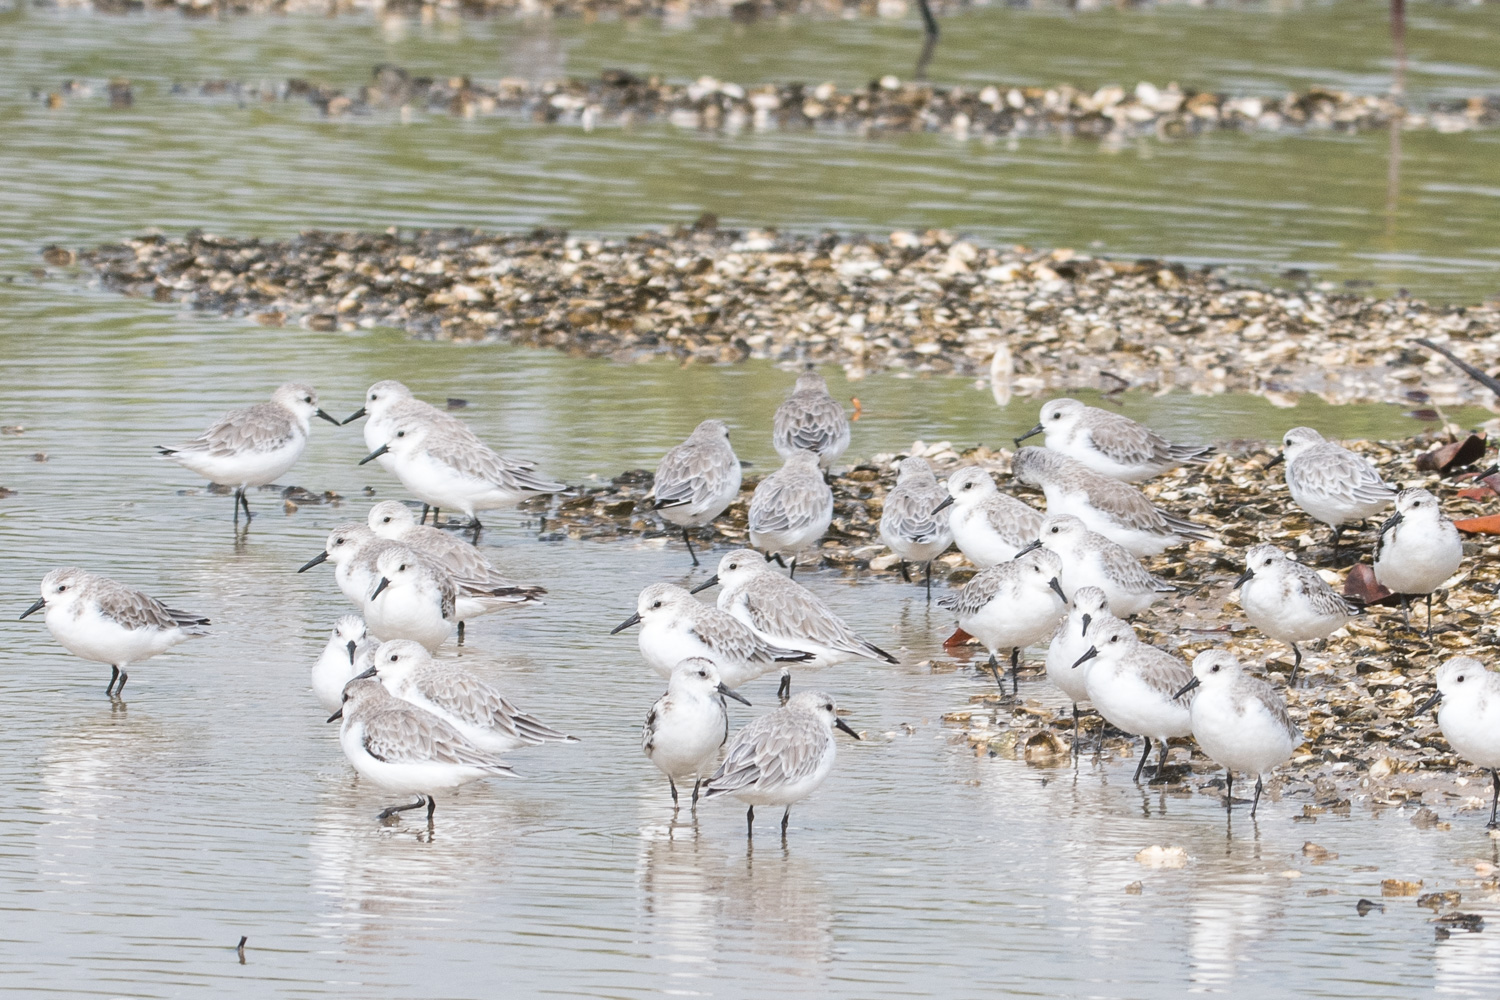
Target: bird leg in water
point(422, 800)
point(1144, 757)
point(686, 538)
point(1256, 804)
point(750, 823)
point(929, 42)
point(785, 818)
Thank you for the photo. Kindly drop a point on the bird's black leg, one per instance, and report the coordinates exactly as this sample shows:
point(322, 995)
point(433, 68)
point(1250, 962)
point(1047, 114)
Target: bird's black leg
point(778, 560)
point(460, 633)
point(1405, 610)
point(904, 574)
point(1161, 764)
point(1296, 662)
point(784, 691)
point(1338, 531)
point(750, 823)
point(696, 783)
point(436, 513)
point(929, 40)
point(1015, 670)
point(422, 800)
point(431, 808)
point(1144, 757)
point(995, 669)
point(114, 675)
point(686, 538)
point(1495, 802)
point(673, 785)
point(477, 529)
point(929, 581)
point(120, 687)
point(1229, 788)
point(786, 818)
point(237, 506)
point(1075, 729)
point(792, 569)
point(1256, 803)
point(1429, 614)
point(423, 518)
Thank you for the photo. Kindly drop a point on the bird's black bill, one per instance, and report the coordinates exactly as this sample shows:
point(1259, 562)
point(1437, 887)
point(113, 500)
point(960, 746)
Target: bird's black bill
point(1055, 585)
point(361, 676)
point(712, 581)
point(1029, 434)
point(1427, 705)
point(354, 416)
point(41, 602)
point(336, 716)
point(1086, 657)
point(1029, 548)
point(372, 456)
point(1244, 578)
point(841, 724)
point(321, 557)
point(1487, 473)
point(1391, 522)
point(328, 417)
point(632, 620)
point(1186, 688)
point(352, 646)
point(1280, 457)
point(728, 693)
point(384, 583)
point(947, 502)
point(1086, 620)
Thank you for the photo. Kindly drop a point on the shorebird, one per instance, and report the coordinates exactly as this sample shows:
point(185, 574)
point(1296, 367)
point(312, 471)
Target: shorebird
point(1470, 716)
point(811, 420)
point(1418, 549)
point(1010, 606)
point(1333, 484)
point(791, 509)
point(1109, 443)
point(697, 480)
point(1290, 602)
point(1139, 689)
point(989, 526)
point(687, 725)
point(1090, 559)
point(911, 523)
point(348, 647)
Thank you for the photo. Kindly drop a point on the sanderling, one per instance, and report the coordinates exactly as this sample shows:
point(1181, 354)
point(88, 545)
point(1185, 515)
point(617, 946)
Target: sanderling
point(1418, 549)
point(1116, 510)
point(480, 713)
point(403, 748)
point(353, 549)
point(697, 480)
point(687, 725)
point(340, 660)
point(1238, 720)
point(482, 588)
point(445, 467)
point(101, 620)
point(676, 626)
point(1333, 484)
point(1135, 686)
point(413, 599)
point(791, 509)
point(1090, 559)
point(811, 420)
point(1109, 443)
point(389, 402)
point(1470, 716)
point(910, 522)
point(1010, 606)
point(1072, 639)
point(1290, 602)
point(252, 446)
point(989, 526)
point(780, 758)
point(786, 614)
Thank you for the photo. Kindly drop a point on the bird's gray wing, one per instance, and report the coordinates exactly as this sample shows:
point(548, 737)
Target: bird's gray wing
point(408, 735)
point(779, 607)
point(809, 422)
point(908, 513)
point(133, 609)
point(788, 500)
point(692, 472)
point(980, 590)
point(478, 460)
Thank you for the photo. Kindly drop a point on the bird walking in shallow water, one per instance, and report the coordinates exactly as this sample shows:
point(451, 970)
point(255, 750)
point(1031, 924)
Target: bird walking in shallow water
point(686, 726)
point(791, 509)
point(697, 480)
point(253, 446)
point(1010, 606)
point(1139, 689)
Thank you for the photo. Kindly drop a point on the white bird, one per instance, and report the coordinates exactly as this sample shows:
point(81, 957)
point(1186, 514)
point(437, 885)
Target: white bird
point(387, 404)
point(99, 619)
point(910, 522)
point(1091, 560)
point(403, 748)
point(676, 626)
point(1290, 602)
point(989, 526)
point(1072, 639)
point(1010, 606)
point(252, 446)
point(354, 550)
point(413, 599)
point(1139, 689)
point(697, 480)
point(780, 758)
point(687, 725)
point(791, 509)
point(447, 466)
point(341, 660)
point(1109, 443)
point(1418, 549)
point(786, 614)
point(1470, 716)
point(1239, 720)
point(811, 420)
point(1114, 509)
point(1333, 484)
point(481, 714)
point(482, 588)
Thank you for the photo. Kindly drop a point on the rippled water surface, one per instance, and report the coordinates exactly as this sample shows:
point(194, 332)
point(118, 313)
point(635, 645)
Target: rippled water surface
point(139, 843)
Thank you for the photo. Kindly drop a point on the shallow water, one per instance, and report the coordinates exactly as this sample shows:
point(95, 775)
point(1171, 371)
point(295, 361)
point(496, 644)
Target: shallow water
point(141, 842)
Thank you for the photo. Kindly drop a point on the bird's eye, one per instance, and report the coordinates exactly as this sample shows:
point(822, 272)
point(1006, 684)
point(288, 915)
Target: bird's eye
point(703, 673)
point(968, 486)
point(657, 604)
point(829, 706)
point(1459, 679)
point(401, 434)
point(1266, 563)
point(1214, 669)
point(307, 399)
point(385, 520)
point(395, 657)
point(1114, 638)
point(62, 588)
point(1057, 416)
point(1054, 529)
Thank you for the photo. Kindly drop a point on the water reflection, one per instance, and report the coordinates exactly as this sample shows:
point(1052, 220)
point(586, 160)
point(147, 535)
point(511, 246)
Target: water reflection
point(1227, 922)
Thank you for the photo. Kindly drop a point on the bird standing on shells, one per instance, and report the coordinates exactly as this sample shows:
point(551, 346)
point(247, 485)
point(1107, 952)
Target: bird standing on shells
point(697, 480)
point(1470, 716)
point(791, 509)
point(811, 420)
point(1116, 510)
point(989, 526)
point(253, 446)
point(782, 757)
point(911, 523)
point(105, 621)
point(1332, 484)
point(1418, 549)
point(1010, 606)
point(1290, 602)
point(1110, 443)
point(1091, 560)
point(1238, 720)
point(686, 726)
